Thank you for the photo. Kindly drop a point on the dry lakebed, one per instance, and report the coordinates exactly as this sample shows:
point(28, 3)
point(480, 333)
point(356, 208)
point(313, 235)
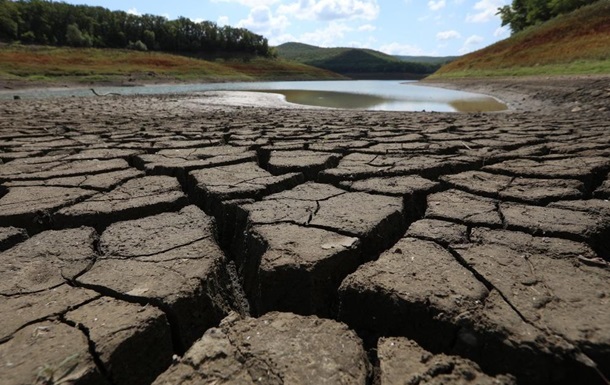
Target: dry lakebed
point(231, 238)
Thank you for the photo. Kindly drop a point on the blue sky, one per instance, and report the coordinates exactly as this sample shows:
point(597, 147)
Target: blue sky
point(399, 27)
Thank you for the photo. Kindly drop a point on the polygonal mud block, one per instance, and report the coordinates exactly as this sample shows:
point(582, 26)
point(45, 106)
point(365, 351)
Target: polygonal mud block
point(402, 361)
point(178, 163)
point(17, 311)
point(557, 287)
point(48, 353)
point(301, 267)
point(132, 341)
point(310, 163)
point(210, 187)
point(585, 169)
point(464, 208)
point(278, 348)
point(445, 233)
point(10, 236)
point(100, 182)
point(376, 219)
point(553, 286)
point(133, 199)
point(102, 153)
point(576, 220)
point(507, 301)
point(62, 169)
point(529, 190)
point(416, 288)
point(170, 260)
point(359, 166)
point(32, 207)
point(412, 188)
point(47, 260)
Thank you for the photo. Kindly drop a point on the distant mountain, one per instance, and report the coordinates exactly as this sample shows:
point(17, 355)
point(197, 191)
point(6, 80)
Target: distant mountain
point(427, 59)
point(356, 62)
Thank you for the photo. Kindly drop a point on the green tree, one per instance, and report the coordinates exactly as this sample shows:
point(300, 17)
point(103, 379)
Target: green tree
point(76, 38)
point(9, 17)
point(137, 46)
point(524, 13)
point(148, 38)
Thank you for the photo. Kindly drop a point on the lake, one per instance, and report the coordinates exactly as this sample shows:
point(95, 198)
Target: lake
point(379, 95)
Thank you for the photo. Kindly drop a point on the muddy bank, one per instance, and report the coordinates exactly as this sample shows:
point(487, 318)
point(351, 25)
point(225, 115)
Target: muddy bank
point(224, 239)
point(538, 93)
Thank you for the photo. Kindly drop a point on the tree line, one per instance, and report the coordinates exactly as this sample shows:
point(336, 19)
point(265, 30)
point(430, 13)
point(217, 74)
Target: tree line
point(524, 13)
point(57, 23)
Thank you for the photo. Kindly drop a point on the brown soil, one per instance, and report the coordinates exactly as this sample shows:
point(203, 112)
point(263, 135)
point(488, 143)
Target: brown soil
point(185, 239)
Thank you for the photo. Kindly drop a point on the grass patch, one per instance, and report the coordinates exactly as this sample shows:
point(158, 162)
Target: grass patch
point(580, 67)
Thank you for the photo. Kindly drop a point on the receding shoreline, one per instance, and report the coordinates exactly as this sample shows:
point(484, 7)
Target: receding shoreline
point(535, 93)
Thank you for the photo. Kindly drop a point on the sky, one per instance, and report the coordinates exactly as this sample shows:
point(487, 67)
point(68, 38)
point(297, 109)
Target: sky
point(396, 27)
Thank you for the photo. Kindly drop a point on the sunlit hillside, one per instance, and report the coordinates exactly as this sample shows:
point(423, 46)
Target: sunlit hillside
point(576, 43)
point(83, 65)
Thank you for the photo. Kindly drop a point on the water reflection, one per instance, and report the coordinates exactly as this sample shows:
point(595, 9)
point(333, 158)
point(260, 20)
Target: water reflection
point(478, 105)
point(385, 95)
point(331, 99)
point(359, 101)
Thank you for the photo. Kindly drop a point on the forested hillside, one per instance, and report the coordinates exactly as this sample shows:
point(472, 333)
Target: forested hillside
point(61, 24)
point(353, 61)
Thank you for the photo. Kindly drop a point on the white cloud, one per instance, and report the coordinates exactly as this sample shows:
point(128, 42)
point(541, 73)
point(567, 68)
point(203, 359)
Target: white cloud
point(326, 37)
point(436, 5)
point(401, 49)
point(328, 10)
point(471, 44)
point(262, 21)
point(367, 28)
point(281, 39)
point(249, 3)
point(133, 11)
point(501, 32)
point(222, 21)
point(485, 11)
point(448, 35)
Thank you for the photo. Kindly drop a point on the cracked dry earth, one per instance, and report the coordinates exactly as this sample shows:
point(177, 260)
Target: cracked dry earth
point(161, 240)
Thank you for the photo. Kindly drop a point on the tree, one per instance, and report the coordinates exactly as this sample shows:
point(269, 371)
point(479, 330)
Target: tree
point(148, 38)
point(75, 37)
point(9, 17)
point(137, 46)
point(524, 13)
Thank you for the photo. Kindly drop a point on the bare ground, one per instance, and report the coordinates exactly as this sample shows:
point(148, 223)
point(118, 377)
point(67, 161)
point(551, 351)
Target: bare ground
point(221, 238)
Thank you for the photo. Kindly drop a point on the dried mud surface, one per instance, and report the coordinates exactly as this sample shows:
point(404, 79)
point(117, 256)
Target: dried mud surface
point(180, 239)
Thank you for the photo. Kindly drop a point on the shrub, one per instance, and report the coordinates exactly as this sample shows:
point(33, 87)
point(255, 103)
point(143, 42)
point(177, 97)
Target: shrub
point(137, 46)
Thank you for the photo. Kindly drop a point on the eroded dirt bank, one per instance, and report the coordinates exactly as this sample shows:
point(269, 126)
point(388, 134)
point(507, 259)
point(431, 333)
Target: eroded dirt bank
point(182, 240)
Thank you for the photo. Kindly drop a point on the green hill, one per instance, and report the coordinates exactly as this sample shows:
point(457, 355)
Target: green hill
point(427, 59)
point(355, 62)
point(574, 43)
